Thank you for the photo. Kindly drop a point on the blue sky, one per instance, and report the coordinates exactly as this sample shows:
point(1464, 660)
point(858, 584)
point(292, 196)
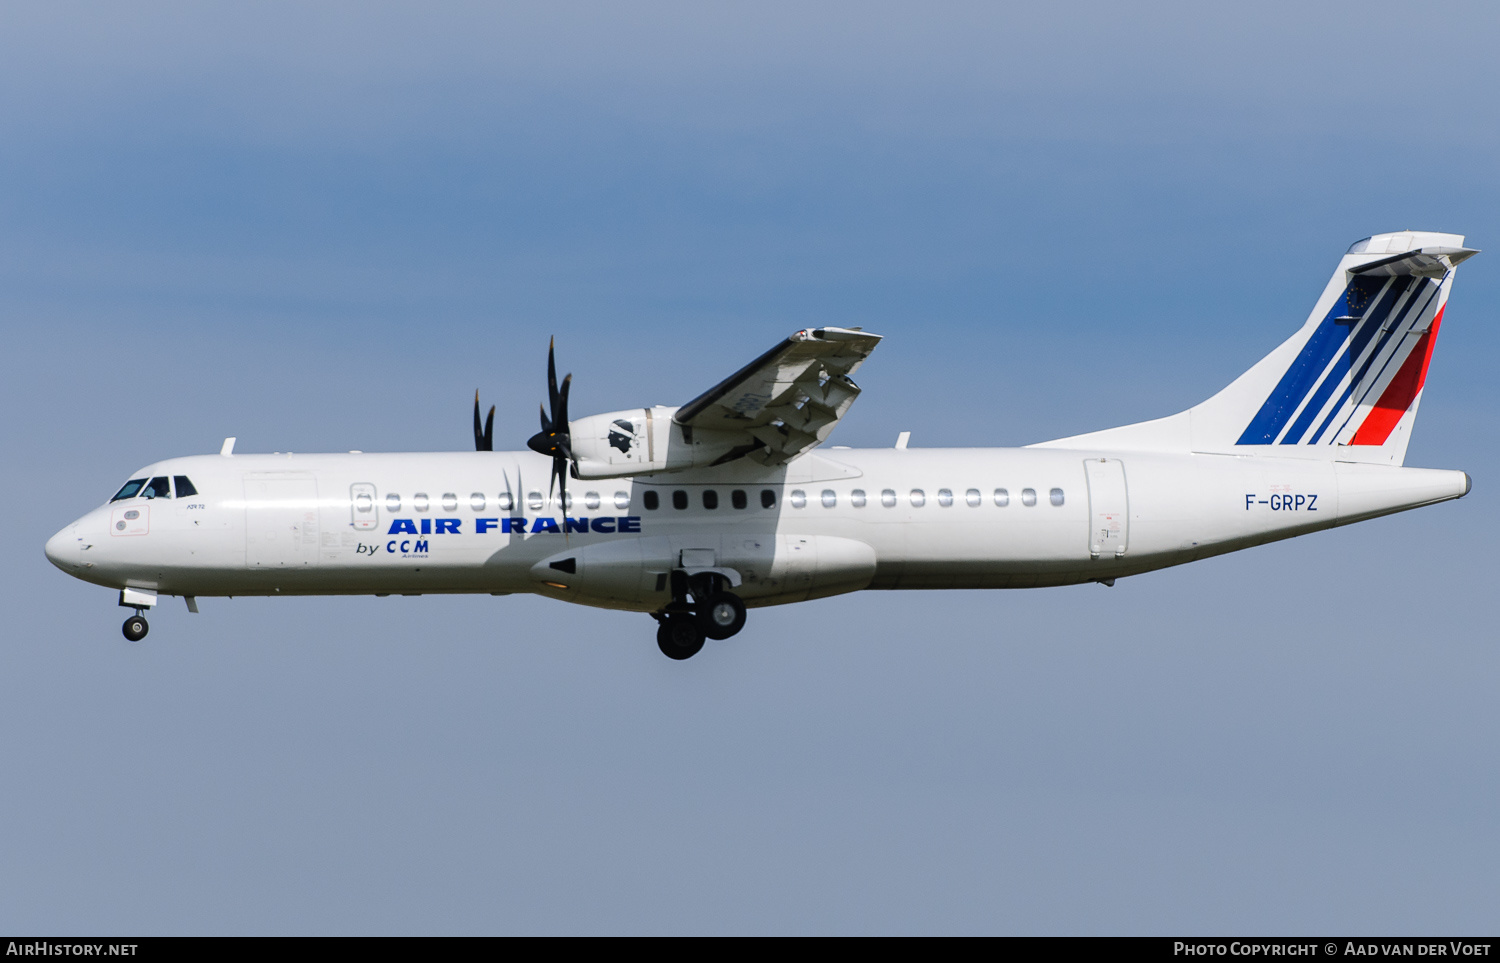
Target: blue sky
point(322, 226)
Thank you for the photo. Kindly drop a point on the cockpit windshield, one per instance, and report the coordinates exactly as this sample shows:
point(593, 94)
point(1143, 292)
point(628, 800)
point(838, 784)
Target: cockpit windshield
point(156, 488)
point(130, 490)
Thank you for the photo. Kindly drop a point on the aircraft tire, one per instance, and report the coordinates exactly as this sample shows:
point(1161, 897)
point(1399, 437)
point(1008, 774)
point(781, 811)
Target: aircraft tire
point(679, 638)
point(721, 615)
point(135, 628)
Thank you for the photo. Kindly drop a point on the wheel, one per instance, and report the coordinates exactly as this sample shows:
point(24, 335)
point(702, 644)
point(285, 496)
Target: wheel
point(135, 628)
point(679, 637)
point(721, 615)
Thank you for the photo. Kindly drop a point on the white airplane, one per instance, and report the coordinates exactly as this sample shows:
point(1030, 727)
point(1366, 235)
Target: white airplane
point(693, 514)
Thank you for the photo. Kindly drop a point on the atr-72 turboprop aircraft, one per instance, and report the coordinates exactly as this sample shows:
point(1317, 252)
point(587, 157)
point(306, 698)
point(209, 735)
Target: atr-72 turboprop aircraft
point(693, 514)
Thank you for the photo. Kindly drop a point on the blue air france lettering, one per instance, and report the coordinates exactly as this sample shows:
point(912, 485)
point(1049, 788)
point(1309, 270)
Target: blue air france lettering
point(602, 525)
point(748, 510)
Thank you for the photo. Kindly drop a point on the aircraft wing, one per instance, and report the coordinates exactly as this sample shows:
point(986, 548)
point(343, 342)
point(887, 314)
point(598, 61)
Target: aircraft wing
point(789, 399)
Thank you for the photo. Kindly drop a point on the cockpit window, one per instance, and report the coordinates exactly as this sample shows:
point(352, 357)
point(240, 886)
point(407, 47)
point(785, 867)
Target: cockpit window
point(130, 490)
point(157, 488)
point(184, 487)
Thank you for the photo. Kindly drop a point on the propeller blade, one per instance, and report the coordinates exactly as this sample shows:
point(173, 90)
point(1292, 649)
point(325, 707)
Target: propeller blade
point(560, 472)
point(555, 439)
point(484, 438)
point(552, 374)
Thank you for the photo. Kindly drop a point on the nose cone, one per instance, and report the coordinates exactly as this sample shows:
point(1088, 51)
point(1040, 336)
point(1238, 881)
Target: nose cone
point(63, 550)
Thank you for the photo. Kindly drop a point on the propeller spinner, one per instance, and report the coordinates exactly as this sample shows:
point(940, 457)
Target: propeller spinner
point(554, 438)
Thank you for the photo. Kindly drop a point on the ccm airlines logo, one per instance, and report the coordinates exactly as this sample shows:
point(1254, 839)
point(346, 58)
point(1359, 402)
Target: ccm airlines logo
point(605, 525)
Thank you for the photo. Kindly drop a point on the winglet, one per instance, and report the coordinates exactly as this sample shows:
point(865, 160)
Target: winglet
point(228, 448)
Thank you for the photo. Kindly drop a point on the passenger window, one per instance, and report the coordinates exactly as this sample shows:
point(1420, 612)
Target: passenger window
point(393, 502)
point(419, 502)
point(505, 501)
point(972, 498)
point(1028, 497)
point(830, 498)
point(767, 498)
point(184, 487)
point(534, 501)
point(857, 498)
point(1002, 497)
point(622, 500)
point(888, 498)
point(591, 500)
point(129, 491)
point(1056, 495)
point(157, 488)
point(567, 501)
point(476, 501)
point(737, 498)
point(918, 498)
point(651, 500)
point(679, 499)
point(710, 499)
point(450, 502)
point(799, 498)
point(945, 497)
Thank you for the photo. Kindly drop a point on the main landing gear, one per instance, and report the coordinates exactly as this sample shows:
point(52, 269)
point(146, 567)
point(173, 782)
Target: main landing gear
point(713, 613)
point(679, 636)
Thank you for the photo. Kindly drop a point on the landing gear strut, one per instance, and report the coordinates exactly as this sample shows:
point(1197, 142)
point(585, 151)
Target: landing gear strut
point(136, 627)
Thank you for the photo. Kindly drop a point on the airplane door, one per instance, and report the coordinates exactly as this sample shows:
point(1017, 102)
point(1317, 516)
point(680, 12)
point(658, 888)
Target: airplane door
point(1109, 519)
point(365, 512)
point(281, 520)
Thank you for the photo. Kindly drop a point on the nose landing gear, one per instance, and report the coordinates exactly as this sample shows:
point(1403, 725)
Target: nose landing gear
point(136, 627)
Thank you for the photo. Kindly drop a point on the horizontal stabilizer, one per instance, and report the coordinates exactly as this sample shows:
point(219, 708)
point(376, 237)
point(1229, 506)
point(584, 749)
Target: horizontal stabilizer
point(1429, 262)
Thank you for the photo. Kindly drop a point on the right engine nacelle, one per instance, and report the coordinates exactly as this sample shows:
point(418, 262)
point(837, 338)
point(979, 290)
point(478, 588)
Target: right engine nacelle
point(639, 441)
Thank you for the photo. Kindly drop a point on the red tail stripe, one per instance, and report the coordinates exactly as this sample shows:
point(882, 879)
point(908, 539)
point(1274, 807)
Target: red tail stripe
point(1402, 390)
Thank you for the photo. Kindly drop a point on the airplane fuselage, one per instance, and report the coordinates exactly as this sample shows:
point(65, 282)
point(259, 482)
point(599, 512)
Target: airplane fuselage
point(828, 522)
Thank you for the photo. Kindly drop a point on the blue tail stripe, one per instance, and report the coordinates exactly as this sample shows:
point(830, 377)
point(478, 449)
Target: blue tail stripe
point(1362, 331)
point(1300, 377)
point(1359, 379)
point(1396, 331)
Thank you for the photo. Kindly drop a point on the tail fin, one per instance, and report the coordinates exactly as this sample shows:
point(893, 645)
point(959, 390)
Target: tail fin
point(1347, 385)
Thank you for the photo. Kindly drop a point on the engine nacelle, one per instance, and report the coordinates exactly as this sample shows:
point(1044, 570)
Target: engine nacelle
point(638, 441)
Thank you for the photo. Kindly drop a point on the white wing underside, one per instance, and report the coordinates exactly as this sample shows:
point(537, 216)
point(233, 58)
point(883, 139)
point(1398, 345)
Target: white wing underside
point(789, 399)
